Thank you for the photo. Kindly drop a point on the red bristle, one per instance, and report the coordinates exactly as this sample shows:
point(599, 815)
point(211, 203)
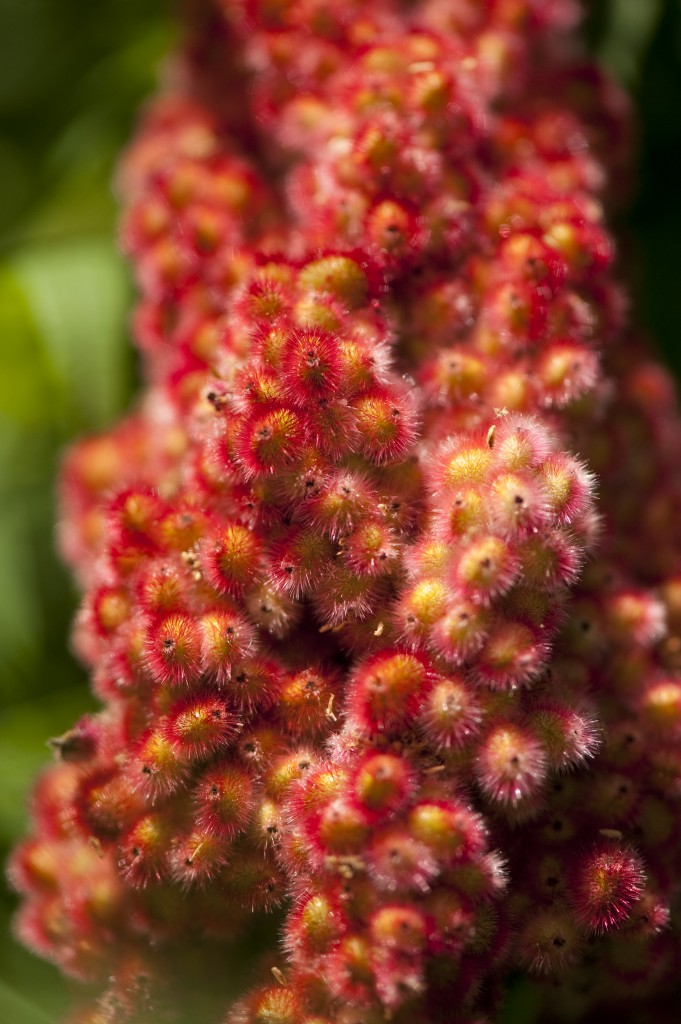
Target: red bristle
point(200, 725)
point(310, 366)
point(173, 650)
point(451, 713)
point(224, 799)
point(386, 422)
point(233, 562)
point(227, 639)
point(382, 783)
point(387, 691)
point(606, 883)
point(511, 765)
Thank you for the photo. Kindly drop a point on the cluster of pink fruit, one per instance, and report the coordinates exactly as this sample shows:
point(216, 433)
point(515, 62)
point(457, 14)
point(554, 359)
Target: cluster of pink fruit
point(368, 648)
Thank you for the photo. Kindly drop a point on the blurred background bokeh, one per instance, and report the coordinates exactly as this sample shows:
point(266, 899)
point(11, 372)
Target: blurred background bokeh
point(72, 73)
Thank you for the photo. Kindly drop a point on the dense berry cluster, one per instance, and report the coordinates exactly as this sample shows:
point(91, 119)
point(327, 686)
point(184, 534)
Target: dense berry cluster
point(368, 646)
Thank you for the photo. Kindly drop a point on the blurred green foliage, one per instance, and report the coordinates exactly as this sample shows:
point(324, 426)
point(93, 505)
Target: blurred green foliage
point(72, 73)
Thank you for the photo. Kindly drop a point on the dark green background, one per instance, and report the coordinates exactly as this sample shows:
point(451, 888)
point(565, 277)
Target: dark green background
point(72, 73)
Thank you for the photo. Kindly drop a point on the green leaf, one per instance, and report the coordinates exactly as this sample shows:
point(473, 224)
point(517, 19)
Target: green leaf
point(24, 731)
point(78, 293)
point(522, 1003)
point(19, 617)
point(15, 1008)
point(630, 29)
point(26, 379)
